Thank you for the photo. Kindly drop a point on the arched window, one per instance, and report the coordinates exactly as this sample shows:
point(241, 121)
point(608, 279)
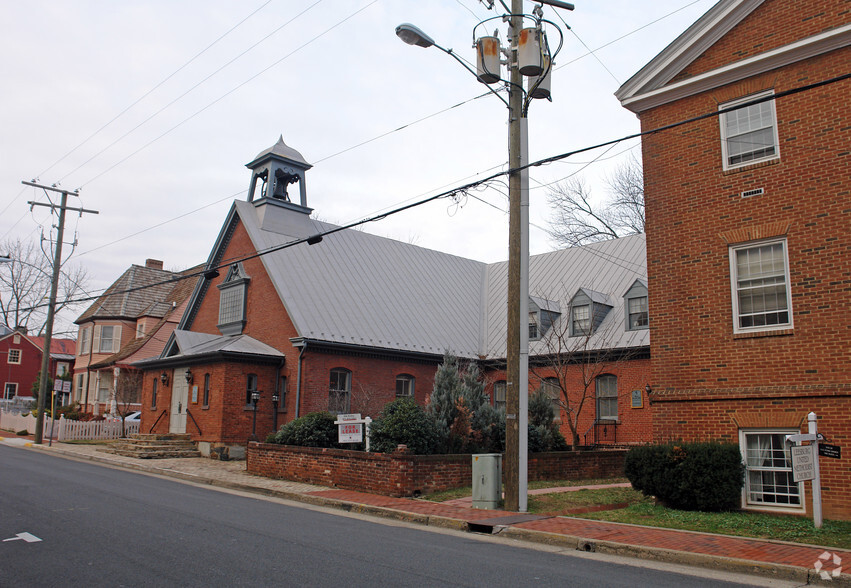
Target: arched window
point(607, 397)
point(206, 399)
point(499, 394)
point(405, 386)
point(340, 391)
point(250, 387)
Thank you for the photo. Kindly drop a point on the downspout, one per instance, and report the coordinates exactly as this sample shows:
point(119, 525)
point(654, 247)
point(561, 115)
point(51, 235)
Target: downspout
point(278, 391)
point(298, 379)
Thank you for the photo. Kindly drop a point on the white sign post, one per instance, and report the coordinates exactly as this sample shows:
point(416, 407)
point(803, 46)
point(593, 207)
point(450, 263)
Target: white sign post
point(805, 465)
point(350, 428)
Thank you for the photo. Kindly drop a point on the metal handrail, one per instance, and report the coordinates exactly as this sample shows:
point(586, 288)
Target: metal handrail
point(162, 414)
point(194, 421)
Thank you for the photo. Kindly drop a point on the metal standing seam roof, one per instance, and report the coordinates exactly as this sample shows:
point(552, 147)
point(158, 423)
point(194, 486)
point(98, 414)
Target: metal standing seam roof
point(362, 289)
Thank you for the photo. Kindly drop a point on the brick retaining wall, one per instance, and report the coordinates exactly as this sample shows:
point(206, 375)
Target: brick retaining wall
point(404, 474)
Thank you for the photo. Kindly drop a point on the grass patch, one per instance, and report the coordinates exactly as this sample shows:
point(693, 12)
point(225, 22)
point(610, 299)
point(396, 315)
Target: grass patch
point(559, 503)
point(465, 491)
point(744, 524)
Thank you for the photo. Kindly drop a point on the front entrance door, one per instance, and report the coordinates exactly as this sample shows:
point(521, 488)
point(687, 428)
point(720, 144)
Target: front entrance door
point(179, 400)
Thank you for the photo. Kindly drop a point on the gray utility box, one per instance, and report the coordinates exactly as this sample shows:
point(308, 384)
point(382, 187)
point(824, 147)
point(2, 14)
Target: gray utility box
point(487, 480)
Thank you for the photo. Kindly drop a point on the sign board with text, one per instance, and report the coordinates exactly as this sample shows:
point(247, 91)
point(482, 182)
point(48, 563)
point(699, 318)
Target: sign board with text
point(350, 433)
point(834, 451)
point(803, 463)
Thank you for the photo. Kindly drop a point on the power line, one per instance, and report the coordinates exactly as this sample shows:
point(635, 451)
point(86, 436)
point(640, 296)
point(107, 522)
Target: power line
point(314, 239)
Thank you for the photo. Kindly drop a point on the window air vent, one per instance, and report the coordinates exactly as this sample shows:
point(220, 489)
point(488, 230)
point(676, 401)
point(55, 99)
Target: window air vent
point(755, 192)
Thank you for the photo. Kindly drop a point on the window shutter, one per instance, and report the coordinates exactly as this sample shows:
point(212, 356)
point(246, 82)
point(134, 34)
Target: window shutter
point(116, 339)
point(96, 340)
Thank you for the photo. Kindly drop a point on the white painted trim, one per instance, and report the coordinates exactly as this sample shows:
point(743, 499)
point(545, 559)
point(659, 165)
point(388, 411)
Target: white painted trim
point(731, 253)
point(722, 119)
point(798, 51)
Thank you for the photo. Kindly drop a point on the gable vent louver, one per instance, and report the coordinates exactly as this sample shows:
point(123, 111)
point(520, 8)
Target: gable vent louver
point(754, 192)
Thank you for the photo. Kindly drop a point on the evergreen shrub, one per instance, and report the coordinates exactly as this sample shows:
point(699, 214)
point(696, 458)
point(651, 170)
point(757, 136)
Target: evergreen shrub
point(404, 422)
point(688, 476)
point(315, 429)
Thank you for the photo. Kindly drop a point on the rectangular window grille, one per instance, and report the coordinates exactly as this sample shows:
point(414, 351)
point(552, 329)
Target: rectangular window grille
point(769, 480)
point(638, 317)
point(250, 387)
point(85, 341)
point(231, 305)
point(206, 398)
point(761, 286)
point(340, 391)
point(607, 397)
point(106, 336)
point(749, 133)
point(10, 391)
point(581, 319)
point(404, 386)
point(499, 394)
point(14, 356)
point(533, 326)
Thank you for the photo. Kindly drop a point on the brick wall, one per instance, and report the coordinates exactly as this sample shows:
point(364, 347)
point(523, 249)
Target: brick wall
point(405, 474)
point(708, 382)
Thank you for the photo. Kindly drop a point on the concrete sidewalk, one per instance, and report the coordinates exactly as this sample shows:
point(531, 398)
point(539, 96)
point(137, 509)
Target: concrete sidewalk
point(766, 558)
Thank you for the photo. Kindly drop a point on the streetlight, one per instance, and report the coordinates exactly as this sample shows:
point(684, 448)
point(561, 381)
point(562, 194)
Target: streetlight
point(528, 55)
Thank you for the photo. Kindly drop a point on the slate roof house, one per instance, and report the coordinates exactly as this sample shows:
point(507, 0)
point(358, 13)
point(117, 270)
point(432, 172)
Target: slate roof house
point(351, 321)
point(129, 322)
point(748, 231)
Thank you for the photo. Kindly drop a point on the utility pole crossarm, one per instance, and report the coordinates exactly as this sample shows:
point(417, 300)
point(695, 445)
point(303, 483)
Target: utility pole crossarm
point(51, 308)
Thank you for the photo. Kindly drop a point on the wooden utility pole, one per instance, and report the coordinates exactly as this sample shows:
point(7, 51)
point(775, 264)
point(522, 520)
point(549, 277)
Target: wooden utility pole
point(51, 307)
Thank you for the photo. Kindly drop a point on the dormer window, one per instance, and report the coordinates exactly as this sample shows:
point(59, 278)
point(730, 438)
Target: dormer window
point(542, 314)
point(232, 300)
point(635, 304)
point(580, 320)
point(588, 309)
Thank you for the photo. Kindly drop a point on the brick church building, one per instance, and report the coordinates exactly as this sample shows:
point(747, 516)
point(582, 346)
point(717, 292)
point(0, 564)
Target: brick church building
point(290, 318)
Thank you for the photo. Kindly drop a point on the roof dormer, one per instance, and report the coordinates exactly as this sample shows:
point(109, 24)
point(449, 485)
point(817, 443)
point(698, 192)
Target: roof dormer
point(542, 314)
point(588, 309)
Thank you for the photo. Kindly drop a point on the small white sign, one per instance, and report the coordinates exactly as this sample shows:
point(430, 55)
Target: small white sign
point(349, 417)
point(803, 463)
point(350, 433)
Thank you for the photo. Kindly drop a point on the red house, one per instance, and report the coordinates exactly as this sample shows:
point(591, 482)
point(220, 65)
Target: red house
point(21, 357)
point(293, 322)
point(748, 228)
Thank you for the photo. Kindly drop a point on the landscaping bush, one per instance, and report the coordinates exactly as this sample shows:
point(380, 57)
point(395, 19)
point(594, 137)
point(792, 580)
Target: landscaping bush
point(688, 476)
point(543, 432)
point(316, 429)
point(404, 422)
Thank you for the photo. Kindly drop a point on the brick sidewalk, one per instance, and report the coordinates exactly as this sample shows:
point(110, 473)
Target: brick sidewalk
point(767, 558)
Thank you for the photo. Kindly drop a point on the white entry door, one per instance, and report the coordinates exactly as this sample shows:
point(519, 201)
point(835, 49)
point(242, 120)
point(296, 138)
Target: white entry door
point(179, 400)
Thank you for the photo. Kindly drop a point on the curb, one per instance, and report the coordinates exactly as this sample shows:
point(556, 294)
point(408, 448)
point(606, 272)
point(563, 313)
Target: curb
point(718, 563)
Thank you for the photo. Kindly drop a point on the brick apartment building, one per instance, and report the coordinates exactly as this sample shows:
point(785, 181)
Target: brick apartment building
point(748, 233)
point(351, 321)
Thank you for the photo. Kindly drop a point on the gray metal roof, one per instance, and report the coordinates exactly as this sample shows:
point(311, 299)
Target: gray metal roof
point(362, 289)
point(191, 343)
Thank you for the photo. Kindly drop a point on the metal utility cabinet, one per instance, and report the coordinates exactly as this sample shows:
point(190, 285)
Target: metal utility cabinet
point(487, 480)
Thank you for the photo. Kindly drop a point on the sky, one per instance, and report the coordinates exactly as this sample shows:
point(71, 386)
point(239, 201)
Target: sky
point(152, 109)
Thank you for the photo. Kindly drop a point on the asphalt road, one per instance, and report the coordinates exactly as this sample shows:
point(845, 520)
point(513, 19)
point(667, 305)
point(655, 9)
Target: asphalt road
point(68, 523)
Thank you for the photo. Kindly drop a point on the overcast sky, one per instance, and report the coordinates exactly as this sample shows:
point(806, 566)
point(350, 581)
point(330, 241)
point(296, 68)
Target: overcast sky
point(130, 102)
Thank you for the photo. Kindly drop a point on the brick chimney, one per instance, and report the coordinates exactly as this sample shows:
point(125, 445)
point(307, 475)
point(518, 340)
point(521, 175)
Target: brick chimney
point(154, 263)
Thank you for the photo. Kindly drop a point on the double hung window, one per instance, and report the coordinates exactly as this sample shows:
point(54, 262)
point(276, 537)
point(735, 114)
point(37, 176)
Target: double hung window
point(607, 397)
point(760, 282)
point(749, 134)
point(768, 462)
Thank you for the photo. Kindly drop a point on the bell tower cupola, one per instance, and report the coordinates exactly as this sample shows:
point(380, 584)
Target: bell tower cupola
point(276, 168)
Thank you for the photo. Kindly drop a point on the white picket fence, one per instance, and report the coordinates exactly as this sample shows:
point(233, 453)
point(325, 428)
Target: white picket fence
point(68, 430)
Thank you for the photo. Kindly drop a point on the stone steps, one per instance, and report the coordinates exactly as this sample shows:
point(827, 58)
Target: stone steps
point(151, 446)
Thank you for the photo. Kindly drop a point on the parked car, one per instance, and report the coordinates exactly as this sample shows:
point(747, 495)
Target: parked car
point(134, 417)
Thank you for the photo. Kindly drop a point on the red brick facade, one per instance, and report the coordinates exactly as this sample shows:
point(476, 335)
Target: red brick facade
point(710, 382)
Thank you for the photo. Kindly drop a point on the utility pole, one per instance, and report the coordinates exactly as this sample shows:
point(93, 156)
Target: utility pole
point(51, 307)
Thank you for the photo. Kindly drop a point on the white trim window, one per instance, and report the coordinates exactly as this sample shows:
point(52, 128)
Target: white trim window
point(749, 134)
point(14, 356)
point(768, 475)
point(85, 340)
point(638, 317)
point(607, 397)
point(580, 320)
point(762, 300)
point(340, 391)
point(405, 386)
point(10, 391)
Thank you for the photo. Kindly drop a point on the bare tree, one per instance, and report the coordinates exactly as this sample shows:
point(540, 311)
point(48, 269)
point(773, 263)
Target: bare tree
point(25, 286)
point(578, 220)
point(571, 364)
point(128, 391)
